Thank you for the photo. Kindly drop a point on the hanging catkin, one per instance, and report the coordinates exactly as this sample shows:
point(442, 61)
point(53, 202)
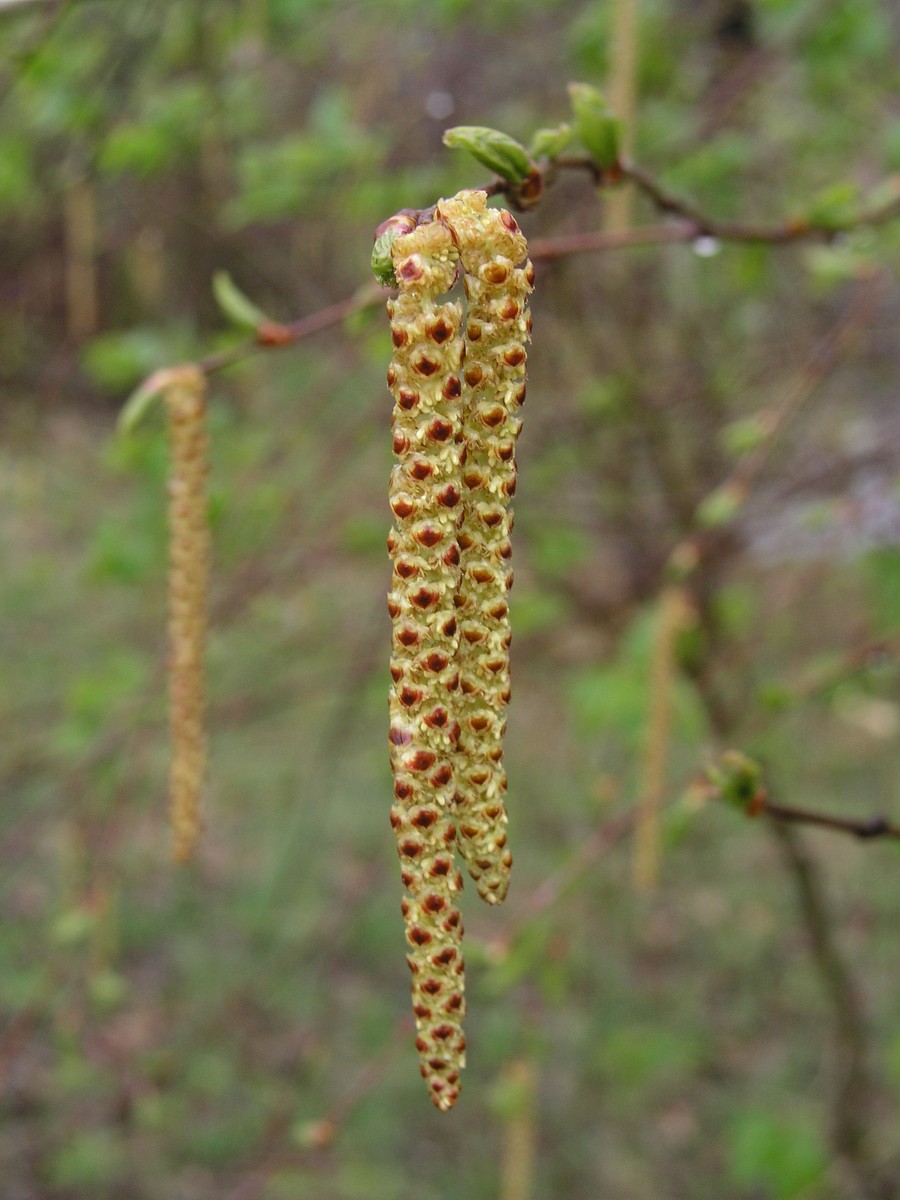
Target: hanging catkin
point(188, 574)
point(425, 497)
point(498, 279)
point(674, 612)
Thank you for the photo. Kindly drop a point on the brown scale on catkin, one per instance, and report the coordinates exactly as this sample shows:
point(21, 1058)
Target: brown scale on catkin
point(498, 279)
point(425, 497)
point(188, 575)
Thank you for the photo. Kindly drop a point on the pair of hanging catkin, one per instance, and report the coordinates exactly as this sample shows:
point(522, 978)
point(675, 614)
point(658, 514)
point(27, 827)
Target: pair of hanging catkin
point(457, 392)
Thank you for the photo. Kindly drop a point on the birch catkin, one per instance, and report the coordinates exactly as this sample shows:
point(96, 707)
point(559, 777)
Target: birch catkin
point(425, 498)
point(498, 279)
point(188, 574)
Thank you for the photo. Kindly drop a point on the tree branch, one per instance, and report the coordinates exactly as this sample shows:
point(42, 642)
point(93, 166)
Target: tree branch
point(723, 505)
point(271, 335)
point(696, 223)
point(868, 828)
point(855, 1087)
point(693, 224)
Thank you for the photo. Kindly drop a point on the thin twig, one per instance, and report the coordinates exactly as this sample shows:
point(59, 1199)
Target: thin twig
point(793, 229)
point(737, 487)
point(555, 886)
point(697, 223)
point(272, 335)
point(855, 1087)
point(612, 239)
point(868, 828)
point(851, 661)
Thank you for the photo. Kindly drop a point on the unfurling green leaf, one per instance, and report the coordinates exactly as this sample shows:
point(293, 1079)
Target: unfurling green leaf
point(550, 143)
point(496, 150)
point(835, 207)
point(234, 304)
point(745, 435)
point(595, 124)
point(719, 507)
point(138, 403)
point(737, 779)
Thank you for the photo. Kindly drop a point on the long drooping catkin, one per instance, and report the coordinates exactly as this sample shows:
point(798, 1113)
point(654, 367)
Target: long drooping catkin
point(498, 279)
point(425, 498)
point(188, 575)
point(674, 612)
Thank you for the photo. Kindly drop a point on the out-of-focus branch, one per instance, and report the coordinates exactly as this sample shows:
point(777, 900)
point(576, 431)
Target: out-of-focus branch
point(697, 223)
point(855, 1088)
point(866, 829)
point(722, 506)
point(851, 662)
point(740, 782)
point(554, 887)
point(271, 335)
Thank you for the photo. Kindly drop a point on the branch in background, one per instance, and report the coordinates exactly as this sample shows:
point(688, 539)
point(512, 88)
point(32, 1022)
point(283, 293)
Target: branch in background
point(81, 240)
point(555, 886)
point(855, 1088)
point(723, 505)
point(867, 829)
point(696, 223)
point(272, 336)
point(738, 780)
point(851, 662)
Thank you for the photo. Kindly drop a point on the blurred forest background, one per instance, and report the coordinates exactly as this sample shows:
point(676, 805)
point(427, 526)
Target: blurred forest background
point(239, 1030)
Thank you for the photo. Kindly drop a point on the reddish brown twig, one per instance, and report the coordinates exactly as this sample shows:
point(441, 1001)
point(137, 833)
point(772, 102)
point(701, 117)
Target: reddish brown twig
point(866, 828)
point(558, 882)
point(696, 223)
point(855, 1086)
point(693, 224)
point(272, 335)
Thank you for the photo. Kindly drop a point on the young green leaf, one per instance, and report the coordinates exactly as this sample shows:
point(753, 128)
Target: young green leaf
point(745, 435)
point(738, 780)
point(595, 124)
point(550, 143)
point(234, 304)
point(496, 150)
point(138, 403)
point(720, 507)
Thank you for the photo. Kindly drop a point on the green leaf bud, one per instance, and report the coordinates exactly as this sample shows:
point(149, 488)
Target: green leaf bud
point(738, 780)
point(720, 507)
point(234, 304)
point(550, 143)
point(139, 402)
point(595, 124)
point(746, 434)
point(497, 151)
